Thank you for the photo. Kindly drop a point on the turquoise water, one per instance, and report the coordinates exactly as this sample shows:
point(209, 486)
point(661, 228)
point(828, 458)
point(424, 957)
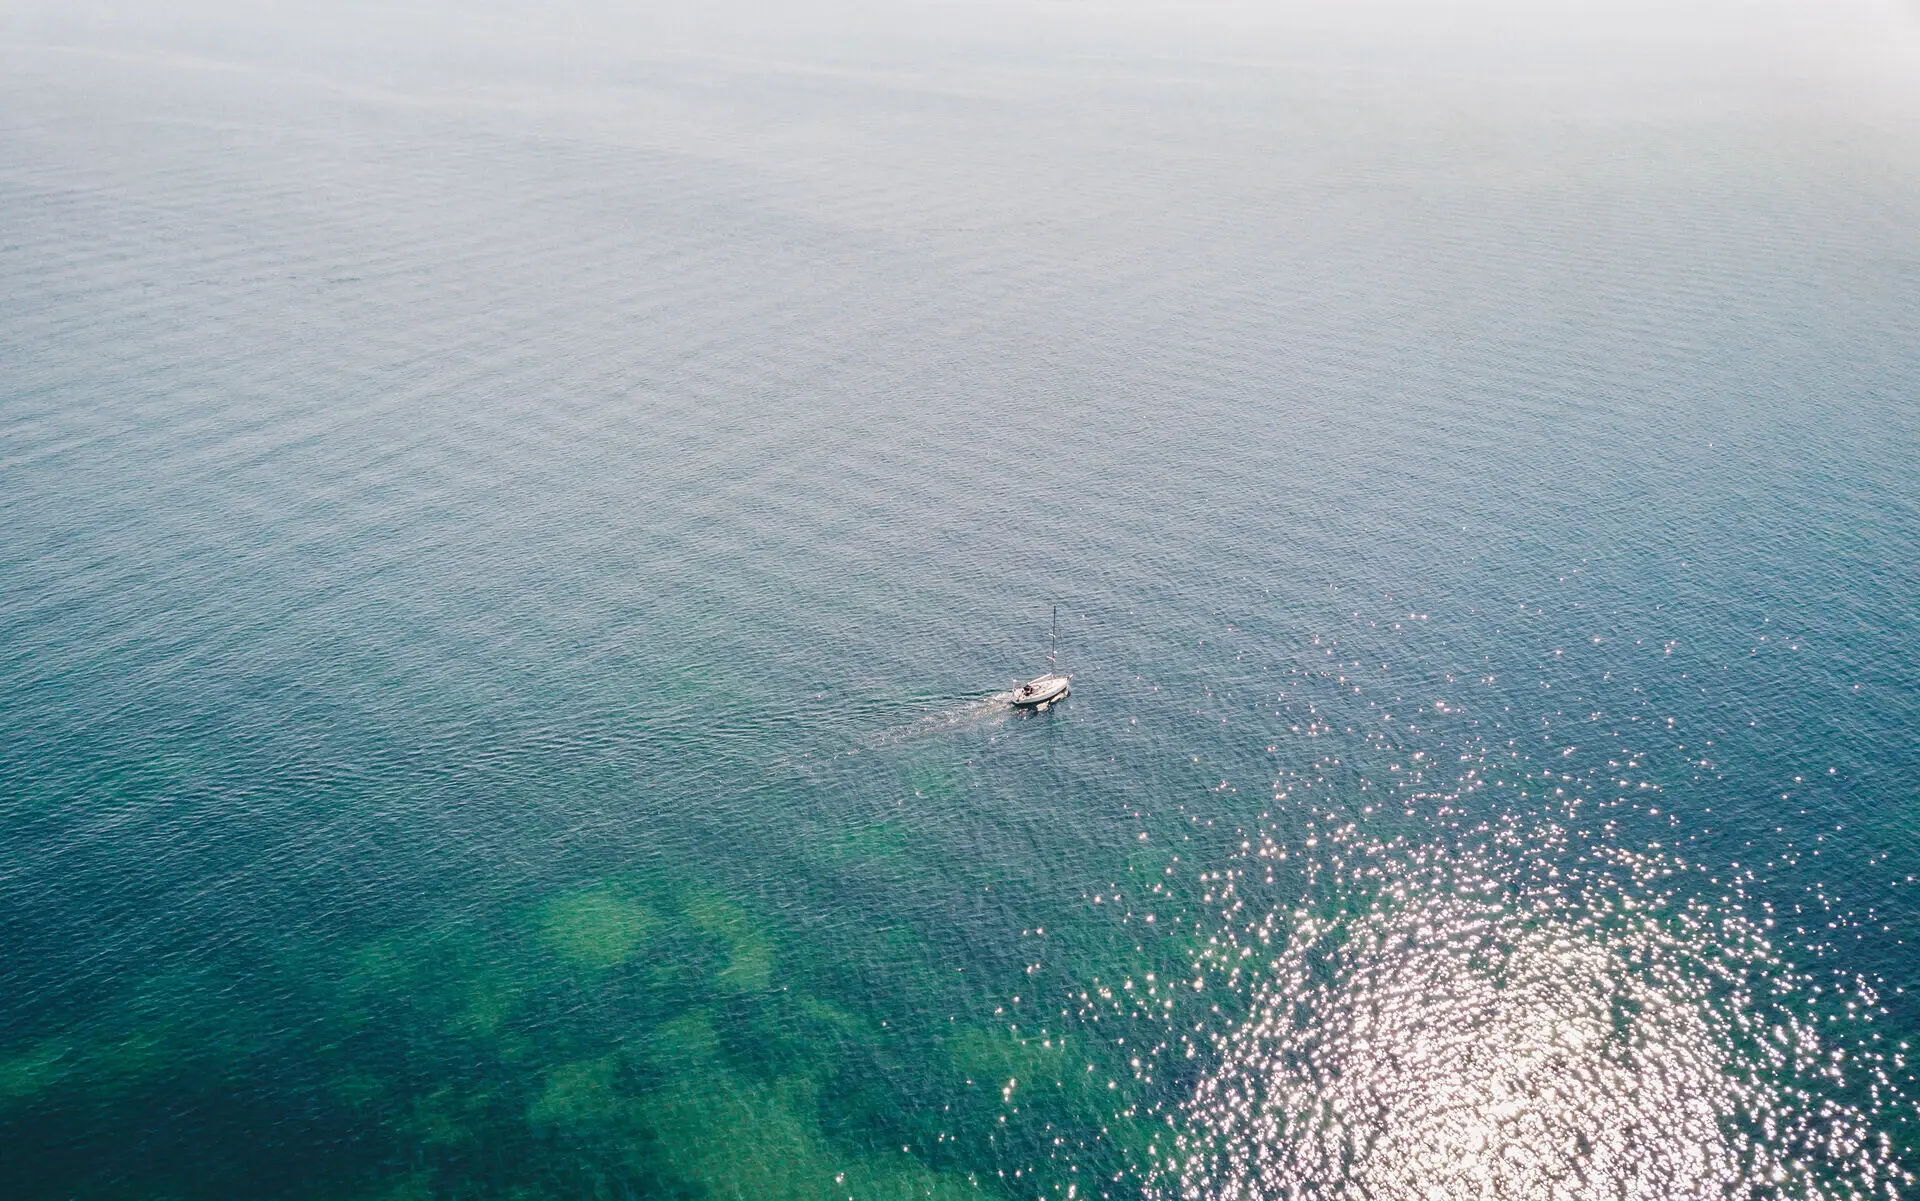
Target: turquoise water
point(516, 531)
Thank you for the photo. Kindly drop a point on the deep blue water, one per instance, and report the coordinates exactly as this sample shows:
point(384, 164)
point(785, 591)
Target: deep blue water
point(514, 539)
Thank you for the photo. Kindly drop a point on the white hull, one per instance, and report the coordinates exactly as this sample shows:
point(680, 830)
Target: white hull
point(1043, 691)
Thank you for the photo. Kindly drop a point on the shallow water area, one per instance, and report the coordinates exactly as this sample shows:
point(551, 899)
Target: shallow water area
point(521, 526)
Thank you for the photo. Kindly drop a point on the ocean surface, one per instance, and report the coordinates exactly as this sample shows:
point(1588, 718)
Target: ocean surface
point(516, 528)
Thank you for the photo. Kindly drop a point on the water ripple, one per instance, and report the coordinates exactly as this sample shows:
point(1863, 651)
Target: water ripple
point(1587, 1031)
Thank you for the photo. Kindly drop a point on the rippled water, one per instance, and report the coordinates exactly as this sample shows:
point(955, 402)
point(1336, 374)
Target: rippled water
point(519, 528)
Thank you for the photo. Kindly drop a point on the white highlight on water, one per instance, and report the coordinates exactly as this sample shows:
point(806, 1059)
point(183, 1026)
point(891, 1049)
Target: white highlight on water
point(1586, 1034)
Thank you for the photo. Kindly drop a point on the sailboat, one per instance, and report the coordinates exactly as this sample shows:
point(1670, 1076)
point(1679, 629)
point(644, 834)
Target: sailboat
point(1042, 691)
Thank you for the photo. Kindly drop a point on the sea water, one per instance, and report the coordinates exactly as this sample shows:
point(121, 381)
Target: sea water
point(518, 524)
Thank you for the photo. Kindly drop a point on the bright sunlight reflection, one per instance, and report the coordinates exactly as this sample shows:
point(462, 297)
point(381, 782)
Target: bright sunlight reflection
point(1581, 1035)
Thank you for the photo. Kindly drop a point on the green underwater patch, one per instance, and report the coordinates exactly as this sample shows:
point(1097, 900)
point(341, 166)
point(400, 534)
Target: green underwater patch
point(452, 975)
point(24, 1074)
point(597, 929)
point(539, 1036)
point(1002, 1057)
point(449, 1117)
point(580, 1096)
point(731, 1140)
point(686, 1040)
point(832, 1015)
point(749, 947)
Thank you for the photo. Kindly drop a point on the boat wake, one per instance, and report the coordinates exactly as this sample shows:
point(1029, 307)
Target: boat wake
point(952, 715)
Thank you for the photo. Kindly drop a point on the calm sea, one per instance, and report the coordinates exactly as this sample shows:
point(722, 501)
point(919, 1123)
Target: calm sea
point(516, 527)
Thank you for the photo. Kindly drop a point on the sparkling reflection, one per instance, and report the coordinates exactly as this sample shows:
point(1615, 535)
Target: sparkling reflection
point(1583, 1033)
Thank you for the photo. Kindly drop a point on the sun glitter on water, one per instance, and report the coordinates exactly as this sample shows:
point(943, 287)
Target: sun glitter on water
point(1586, 1033)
